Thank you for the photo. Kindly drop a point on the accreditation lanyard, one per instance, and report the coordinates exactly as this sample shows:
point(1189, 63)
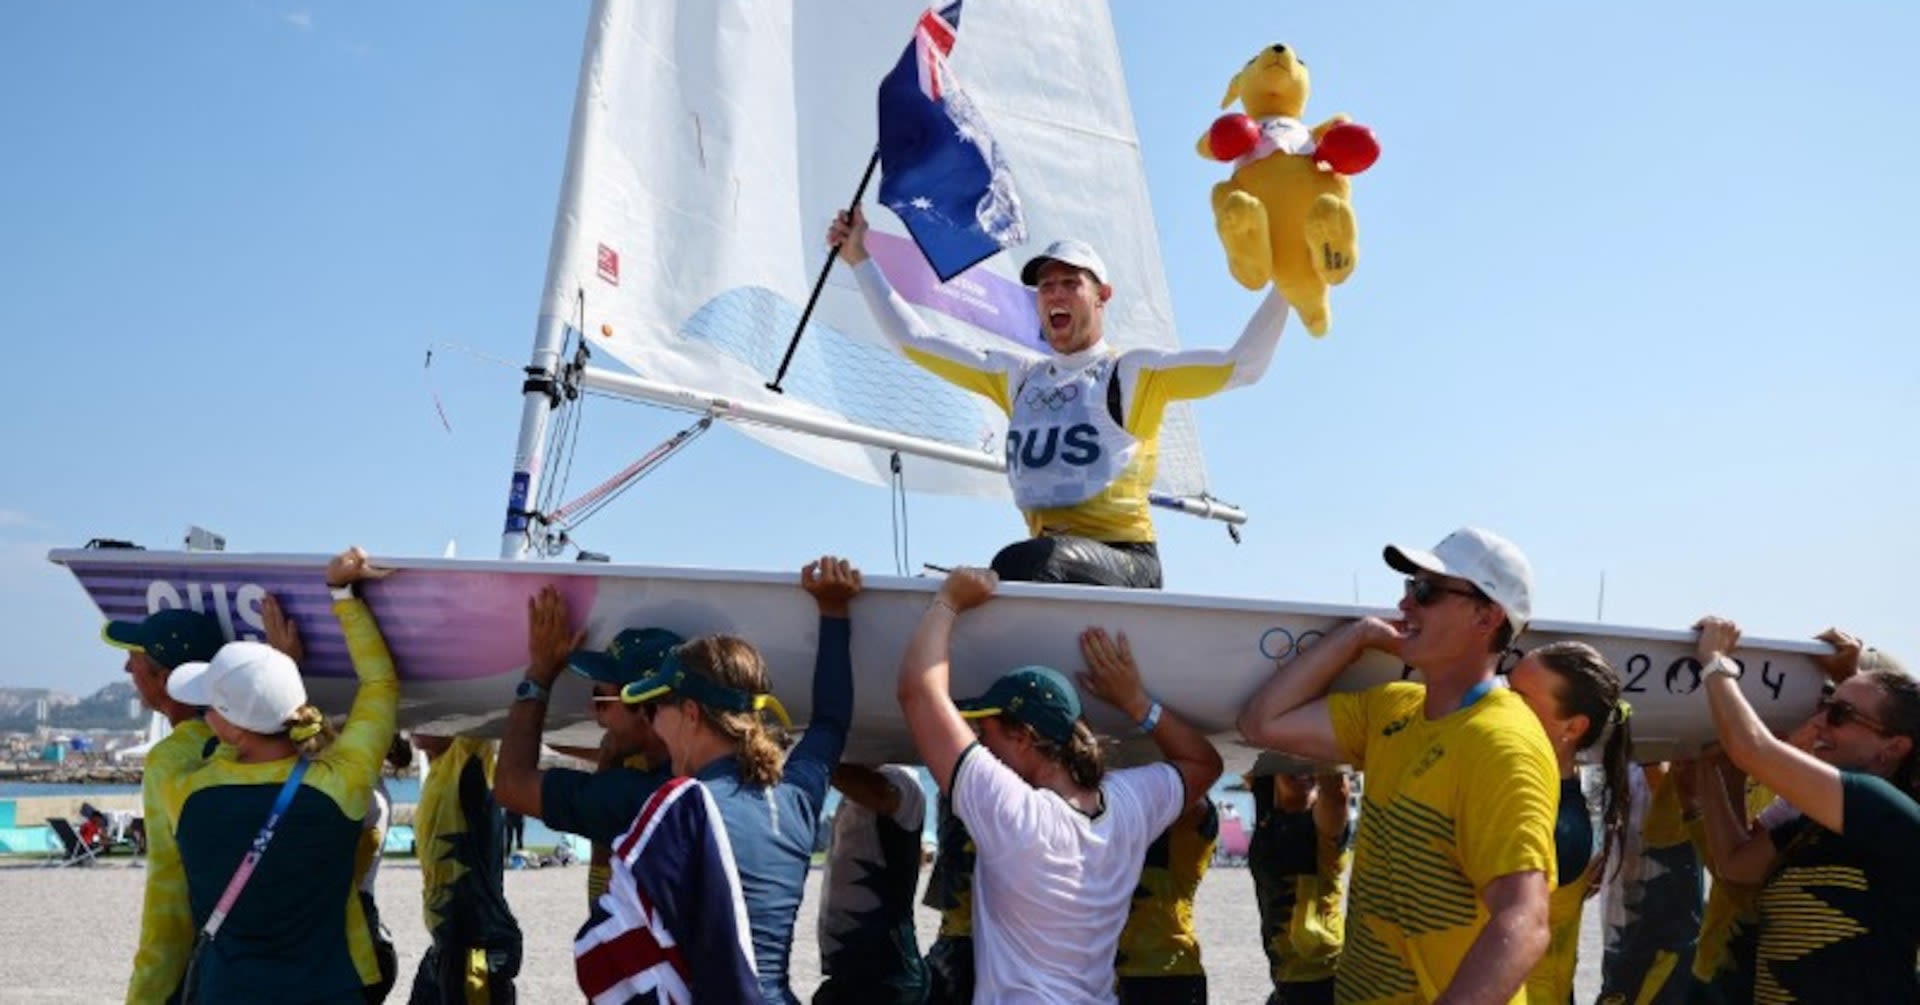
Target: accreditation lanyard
point(1476, 692)
point(252, 858)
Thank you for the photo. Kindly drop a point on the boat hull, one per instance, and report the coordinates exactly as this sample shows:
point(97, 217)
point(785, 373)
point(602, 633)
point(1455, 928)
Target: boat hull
point(457, 629)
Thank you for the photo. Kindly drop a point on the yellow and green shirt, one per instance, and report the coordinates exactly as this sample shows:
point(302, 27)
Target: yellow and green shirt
point(1729, 926)
point(1551, 980)
point(1451, 804)
point(166, 932)
point(1144, 383)
point(289, 927)
point(1159, 940)
point(1300, 884)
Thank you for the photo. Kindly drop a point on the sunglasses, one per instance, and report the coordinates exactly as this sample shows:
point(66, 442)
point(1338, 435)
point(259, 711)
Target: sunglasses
point(1840, 712)
point(1428, 592)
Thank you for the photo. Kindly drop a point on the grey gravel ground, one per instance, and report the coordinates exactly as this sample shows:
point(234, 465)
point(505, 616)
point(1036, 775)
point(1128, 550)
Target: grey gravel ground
point(69, 934)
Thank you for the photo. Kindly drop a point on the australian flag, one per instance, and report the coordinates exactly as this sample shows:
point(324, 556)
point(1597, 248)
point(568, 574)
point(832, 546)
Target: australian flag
point(940, 171)
point(672, 926)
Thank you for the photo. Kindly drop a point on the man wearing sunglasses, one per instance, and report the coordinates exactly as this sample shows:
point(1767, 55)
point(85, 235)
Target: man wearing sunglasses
point(1455, 849)
point(598, 805)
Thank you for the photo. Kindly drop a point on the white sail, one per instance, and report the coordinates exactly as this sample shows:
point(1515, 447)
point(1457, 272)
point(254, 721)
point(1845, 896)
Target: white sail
point(713, 141)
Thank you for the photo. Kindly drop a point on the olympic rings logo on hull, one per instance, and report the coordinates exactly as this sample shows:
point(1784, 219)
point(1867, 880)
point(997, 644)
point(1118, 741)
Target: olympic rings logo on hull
point(1280, 645)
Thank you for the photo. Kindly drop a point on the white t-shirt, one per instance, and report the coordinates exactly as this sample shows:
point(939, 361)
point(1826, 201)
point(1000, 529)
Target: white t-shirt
point(1051, 885)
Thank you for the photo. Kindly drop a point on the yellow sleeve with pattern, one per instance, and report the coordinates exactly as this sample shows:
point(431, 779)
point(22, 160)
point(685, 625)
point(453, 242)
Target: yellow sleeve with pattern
point(352, 762)
point(1153, 378)
point(1506, 816)
point(166, 922)
point(1357, 715)
point(987, 372)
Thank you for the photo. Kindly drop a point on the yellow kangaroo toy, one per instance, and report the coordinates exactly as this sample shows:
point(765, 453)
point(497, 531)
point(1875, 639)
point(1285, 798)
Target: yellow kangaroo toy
point(1284, 217)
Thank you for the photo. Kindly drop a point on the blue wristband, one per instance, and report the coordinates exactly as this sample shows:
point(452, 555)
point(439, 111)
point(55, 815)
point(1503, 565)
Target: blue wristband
point(1153, 717)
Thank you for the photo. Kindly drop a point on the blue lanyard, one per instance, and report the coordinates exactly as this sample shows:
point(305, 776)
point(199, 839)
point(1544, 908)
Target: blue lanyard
point(1476, 692)
point(252, 858)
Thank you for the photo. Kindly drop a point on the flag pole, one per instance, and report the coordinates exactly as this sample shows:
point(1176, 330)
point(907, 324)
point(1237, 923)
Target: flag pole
point(821, 282)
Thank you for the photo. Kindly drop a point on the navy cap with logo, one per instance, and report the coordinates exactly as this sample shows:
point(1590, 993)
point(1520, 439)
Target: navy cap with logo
point(1036, 696)
point(633, 654)
point(673, 678)
point(169, 637)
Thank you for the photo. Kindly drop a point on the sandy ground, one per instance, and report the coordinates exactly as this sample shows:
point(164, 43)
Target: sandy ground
point(70, 933)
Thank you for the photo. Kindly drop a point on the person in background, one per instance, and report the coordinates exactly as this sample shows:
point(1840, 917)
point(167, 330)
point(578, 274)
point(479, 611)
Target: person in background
point(950, 891)
point(596, 805)
point(1576, 696)
point(868, 949)
point(1840, 897)
point(155, 645)
point(1299, 855)
point(514, 825)
point(1653, 899)
point(475, 953)
point(281, 761)
point(1159, 958)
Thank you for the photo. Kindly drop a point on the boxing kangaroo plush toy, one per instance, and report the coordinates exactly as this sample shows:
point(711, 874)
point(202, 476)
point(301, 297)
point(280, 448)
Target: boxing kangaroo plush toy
point(1286, 217)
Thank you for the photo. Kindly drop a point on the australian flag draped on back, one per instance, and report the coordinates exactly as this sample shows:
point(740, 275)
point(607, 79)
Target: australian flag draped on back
point(940, 171)
point(672, 926)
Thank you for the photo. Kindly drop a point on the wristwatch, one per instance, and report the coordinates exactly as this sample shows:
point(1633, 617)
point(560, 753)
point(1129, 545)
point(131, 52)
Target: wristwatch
point(529, 690)
point(1722, 667)
point(346, 592)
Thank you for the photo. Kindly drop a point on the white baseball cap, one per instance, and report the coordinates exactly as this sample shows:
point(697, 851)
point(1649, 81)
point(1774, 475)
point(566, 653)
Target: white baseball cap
point(251, 684)
point(1078, 254)
point(1480, 557)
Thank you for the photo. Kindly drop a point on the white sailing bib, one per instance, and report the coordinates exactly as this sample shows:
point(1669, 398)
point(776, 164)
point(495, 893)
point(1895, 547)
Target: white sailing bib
point(1063, 445)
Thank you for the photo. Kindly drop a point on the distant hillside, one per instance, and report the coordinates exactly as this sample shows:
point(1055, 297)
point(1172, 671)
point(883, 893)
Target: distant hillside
point(106, 708)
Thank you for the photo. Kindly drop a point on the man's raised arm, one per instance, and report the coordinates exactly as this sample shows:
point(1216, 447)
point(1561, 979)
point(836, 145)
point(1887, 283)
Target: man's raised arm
point(1289, 712)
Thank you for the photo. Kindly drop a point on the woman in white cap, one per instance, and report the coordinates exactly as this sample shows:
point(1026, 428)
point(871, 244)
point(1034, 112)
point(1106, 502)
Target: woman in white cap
point(268, 827)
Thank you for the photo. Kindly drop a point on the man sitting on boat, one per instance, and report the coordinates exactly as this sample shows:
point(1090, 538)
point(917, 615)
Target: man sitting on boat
point(1084, 422)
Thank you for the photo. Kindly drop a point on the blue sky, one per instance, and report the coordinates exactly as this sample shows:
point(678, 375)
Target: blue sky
point(1633, 291)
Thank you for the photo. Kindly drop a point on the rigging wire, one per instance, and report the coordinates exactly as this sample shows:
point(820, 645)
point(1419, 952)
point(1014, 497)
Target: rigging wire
point(897, 505)
point(563, 433)
point(602, 495)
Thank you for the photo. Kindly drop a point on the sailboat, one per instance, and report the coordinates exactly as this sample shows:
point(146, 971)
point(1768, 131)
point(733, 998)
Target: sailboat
point(709, 143)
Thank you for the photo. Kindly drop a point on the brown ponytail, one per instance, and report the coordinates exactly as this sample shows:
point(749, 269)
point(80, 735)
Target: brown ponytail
point(1590, 687)
point(310, 731)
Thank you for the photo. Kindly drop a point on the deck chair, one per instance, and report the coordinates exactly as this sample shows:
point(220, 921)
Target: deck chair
point(73, 850)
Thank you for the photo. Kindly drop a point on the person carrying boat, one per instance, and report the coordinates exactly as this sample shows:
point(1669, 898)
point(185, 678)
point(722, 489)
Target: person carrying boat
point(706, 701)
point(155, 645)
point(1449, 889)
point(950, 891)
point(1575, 694)
point(1083, 426)
point(1840, 898)
point(596, 805)
point(282, 933)
point(1298, 857)
point(1058, 839)
point(1159, 960)
point(869, 951)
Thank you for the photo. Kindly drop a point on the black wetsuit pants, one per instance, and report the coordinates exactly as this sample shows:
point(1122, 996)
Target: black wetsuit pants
point(1068, 559)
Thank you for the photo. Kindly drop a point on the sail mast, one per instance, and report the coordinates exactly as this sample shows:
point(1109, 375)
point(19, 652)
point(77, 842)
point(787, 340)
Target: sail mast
point(539, 393)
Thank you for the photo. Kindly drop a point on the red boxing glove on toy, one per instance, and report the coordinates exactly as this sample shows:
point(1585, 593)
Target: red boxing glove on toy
point(1347, 148)
point(1233, 136)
